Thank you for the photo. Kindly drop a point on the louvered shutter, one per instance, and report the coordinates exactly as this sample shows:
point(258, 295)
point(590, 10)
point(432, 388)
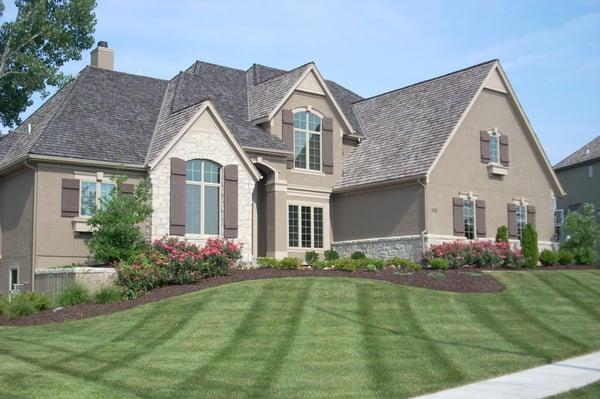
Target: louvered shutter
point(531, 215)
point(70, 198)
point(287, 123)
point(504, 150)
point(327, 132)
point(512, 221)
point(480, 218)
point(457, 216)
point(231, 201)
point(177, 197)
point(484, 141)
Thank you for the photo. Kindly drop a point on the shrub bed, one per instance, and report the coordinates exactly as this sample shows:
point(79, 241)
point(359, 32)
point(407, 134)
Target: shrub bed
point(476, 254)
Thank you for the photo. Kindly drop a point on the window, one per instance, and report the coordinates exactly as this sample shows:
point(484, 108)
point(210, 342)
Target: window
point(559, 219)
point(494, 148)
point(92, 195)
point(307, 141)
point(521, 220)
point(14, 278)
point(469, 218)
point(305, 226)
point(202, 197)
point(590, 171)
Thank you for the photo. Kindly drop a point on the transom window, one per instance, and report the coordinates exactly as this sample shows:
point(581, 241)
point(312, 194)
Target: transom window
point(202, 197)
point(305, 226)
point(469, 218)
point(521, 220)
point(307, 141)
point(92, 194)
point(494, 148)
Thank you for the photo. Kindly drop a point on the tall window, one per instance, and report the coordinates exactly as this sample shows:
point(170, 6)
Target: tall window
point(305, 226)
point(91, 195)
point(469, 218)
point(307, 141)
point(495, 148)
point(590, 172)
point(14, 278)
point(202, 197)
point(521, 220)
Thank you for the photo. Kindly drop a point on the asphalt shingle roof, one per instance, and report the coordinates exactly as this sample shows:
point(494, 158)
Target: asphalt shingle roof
point(405, 129)
point(589, 152)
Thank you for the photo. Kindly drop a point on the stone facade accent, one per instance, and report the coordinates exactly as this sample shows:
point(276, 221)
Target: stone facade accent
point(404, 247)
point(203, 140)
point(52, 281)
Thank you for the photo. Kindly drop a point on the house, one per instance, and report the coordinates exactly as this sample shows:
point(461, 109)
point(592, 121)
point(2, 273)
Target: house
point(284, 161)
point(579, 174)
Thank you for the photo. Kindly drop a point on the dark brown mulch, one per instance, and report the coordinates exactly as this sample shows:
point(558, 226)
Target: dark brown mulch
point(451, 280)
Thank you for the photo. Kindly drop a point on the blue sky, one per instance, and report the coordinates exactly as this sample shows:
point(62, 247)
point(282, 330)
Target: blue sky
point(549, 49)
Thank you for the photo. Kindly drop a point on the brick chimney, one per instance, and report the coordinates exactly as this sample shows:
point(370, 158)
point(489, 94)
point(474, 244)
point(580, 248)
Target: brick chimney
point(103, 57)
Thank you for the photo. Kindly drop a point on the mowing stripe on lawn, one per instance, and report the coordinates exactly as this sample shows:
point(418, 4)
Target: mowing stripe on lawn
point(581, 283)
point(568, 294)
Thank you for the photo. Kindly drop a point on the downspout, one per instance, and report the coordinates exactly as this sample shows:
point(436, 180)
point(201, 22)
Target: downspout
point(33, 223)
point(424, 232)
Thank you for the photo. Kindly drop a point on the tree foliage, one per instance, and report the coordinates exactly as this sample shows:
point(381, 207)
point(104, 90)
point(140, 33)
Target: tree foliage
point(44, 35)
point(502, 234)
point(116, 234)
point(582, 233)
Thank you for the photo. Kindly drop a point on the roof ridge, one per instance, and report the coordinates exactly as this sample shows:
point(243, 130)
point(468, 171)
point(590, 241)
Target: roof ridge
point(123, 73)
point(592, 141)
point(426, 80)
point(286, 72)
point(219, 65)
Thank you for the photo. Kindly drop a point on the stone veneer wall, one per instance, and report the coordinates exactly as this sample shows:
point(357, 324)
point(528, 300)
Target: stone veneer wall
point(52, 281)
point(203, 140)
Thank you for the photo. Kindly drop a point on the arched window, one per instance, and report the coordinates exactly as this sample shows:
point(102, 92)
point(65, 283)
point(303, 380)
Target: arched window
point(202, 197)
point(307, 140)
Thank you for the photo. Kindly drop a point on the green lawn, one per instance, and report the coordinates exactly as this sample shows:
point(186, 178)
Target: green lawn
point(589, 392)
point(307, 337)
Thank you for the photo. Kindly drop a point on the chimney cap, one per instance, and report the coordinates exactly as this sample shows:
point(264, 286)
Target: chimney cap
point(102, 43)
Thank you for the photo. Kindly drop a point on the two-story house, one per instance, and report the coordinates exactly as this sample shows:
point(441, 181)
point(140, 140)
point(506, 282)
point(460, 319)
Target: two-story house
point(284, 161)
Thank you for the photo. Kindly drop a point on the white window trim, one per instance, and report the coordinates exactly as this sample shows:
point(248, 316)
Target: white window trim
point(98, 182)
point(325, 216)
point(307, 132)
point(202, 184)
point(494, 133)
point(10, 282)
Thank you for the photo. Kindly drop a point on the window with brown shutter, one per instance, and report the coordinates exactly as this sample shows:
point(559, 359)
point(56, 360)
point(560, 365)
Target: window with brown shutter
point(457, 216)
point(70, 198)
point(287, 134)
point(484, 141)
point(177, 197)
point(504, 150)
point(512, 221)
point(230, 175)
point(327, 145)
point(531, 215)
point(480, 218)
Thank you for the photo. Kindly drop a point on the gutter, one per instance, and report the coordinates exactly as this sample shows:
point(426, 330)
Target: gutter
point(385, 183)
point(33, 224)
point(90, 162)
point(256, 150)
point(424, 232)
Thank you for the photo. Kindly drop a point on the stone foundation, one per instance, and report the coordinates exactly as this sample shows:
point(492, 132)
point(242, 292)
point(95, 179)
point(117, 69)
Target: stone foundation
point(381, 248)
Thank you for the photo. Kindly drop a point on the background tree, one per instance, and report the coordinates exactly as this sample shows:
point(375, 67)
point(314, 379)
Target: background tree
point(43, 37)
point(582, 233)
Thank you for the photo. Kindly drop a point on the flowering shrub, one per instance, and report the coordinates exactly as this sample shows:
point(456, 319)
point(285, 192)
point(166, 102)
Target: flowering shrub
point(171, 261)
point(476, 254)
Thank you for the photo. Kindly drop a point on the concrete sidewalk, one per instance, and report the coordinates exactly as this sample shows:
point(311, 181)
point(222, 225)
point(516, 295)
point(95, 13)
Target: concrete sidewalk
point(539, 382)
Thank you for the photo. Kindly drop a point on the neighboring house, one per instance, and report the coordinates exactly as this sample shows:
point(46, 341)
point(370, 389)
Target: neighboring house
point(579, 174)
point(284, 161)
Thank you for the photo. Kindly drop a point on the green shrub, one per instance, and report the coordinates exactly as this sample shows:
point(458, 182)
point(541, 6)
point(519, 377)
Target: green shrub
point(548, 257)
point(502, 234)
point(139, 276)
point(358, 255)
point(267, 261)
point(115, 224)
point(27, 304)
point(73, 294)
point(371, 268)
point(529, 246)
point(3, 305)
point(407, 264)
point(439, 263)
point(585, 256)
point(331, 254)
point(581, 229)
point(363, 262)
point(108, 294)
point(214, 265)
point(311, 257)
point(566, 257)
point(320, 264)
point(290, 262)
point(346, 264)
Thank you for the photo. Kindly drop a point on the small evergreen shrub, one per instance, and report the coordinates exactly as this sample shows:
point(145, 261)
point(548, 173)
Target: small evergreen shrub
point(320, 264)
point(549, 257)
point(371, 268)
point(290, 262)
point(267, 261)
point(3, 305)
point(529, 246)
point(311, 257)
point(331, 254)
point(406, 264)
point(585, 256)
point(346, 264)
point(358, 255)
point(502, 234)
point(566, 257)
point(73, 294)
point(108, 294)
point(439, 263)
point(26, 304)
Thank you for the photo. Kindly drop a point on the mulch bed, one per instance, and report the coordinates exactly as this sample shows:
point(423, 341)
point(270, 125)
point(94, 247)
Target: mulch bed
point(454, 280)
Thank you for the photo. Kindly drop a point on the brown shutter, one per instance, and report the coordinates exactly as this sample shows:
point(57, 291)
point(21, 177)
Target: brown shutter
point(531, 215)
point(480, 218)
point(327, 128)
point(70, 198)
point(231, 201)
point(177, 197)
point(287, 135)
point(512, 221)
point(457, 213)
point(126, 189)
point(504, 150)
point(484, 141)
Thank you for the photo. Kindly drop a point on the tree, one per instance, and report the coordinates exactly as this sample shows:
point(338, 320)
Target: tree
point(116, 235)
point(502, 234)
point(529, 246)
point(582, 233)
point(43, 37)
